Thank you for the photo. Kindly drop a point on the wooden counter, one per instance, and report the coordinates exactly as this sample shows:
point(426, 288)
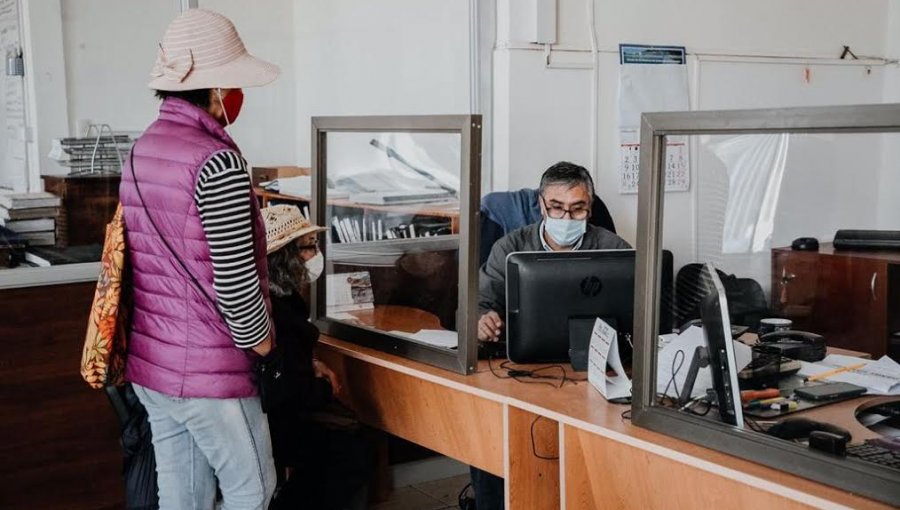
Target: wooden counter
point(59, 444)
point(585, 455)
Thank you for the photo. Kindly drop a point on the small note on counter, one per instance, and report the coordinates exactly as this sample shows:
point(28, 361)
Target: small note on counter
point(604, 349)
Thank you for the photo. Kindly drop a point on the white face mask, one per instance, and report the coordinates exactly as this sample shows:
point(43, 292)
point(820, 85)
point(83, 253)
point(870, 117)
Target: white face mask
point(565, 232)
point(315, 266)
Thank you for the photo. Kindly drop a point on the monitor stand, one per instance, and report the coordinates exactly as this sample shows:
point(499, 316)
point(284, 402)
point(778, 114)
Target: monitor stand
point(698, 361)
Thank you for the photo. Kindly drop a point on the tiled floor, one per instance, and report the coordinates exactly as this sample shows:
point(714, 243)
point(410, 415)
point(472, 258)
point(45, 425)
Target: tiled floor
point(436, 495)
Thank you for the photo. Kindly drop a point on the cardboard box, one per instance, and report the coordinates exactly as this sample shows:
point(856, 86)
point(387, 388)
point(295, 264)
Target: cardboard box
point(269, 173)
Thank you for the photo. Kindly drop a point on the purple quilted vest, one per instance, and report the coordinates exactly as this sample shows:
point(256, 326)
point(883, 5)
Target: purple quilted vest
point(179, 344)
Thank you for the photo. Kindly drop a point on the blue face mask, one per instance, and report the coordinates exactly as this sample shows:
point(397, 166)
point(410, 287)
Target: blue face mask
point(565, 232)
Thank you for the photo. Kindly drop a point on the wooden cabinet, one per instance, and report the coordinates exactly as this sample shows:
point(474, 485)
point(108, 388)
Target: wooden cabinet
point(850, 297)
point(88, 203)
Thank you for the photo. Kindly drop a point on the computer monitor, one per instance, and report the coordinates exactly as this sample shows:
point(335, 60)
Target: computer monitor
point(717, 330)
point(549, 292)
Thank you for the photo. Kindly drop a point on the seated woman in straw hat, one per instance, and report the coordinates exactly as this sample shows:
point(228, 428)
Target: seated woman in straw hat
point(314, 437)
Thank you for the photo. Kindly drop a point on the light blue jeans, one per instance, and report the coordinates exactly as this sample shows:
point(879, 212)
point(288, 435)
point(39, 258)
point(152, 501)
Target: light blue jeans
point(200, 440)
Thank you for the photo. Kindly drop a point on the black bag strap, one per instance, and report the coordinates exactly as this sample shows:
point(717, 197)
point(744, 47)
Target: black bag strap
point(166, 241)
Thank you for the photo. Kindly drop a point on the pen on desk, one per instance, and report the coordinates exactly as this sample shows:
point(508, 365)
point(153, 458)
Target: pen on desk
point(750, 395)
point(836, 371)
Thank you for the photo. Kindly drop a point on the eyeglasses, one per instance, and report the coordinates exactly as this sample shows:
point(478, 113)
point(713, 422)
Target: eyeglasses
point(556, 212)
point(314, 245)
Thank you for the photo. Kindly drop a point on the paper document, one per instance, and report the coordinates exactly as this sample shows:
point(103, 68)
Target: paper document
point(687, 342)
point(880, 377)
point(604, 349)
point(346, 292)
point(299, 186)
point(435, 337)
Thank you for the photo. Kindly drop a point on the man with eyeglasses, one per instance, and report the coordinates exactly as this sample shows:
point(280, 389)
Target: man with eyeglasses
point(565, 195)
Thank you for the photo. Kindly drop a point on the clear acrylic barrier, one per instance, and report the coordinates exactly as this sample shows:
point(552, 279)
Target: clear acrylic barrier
point(397, 252)
point(764, 211)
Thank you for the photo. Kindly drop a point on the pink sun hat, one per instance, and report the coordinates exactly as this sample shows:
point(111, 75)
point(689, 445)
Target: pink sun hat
point(202, 50)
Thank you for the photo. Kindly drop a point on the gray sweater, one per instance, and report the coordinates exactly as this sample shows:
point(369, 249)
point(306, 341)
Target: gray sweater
point(492, 277)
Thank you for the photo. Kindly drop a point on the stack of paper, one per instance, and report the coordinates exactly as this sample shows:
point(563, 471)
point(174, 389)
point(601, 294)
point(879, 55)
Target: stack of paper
point(300, 186)
point(31, 215)
point(880, 377)
point(435, 337)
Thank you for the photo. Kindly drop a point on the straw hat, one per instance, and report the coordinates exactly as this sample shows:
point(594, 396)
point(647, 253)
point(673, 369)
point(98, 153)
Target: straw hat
point(284, 223)
point(202, 50)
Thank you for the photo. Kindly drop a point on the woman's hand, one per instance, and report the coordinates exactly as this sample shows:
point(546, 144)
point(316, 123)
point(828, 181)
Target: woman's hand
point(321, 370)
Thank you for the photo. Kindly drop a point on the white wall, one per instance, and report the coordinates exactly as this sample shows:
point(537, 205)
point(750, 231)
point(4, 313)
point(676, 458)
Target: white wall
point(45, 85)
point(543, 115)
point(392, 57)
point(889, 180)
point(109, 48)
point(266, 131)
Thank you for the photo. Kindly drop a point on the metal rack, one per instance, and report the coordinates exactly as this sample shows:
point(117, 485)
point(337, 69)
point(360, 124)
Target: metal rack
point(99, 152)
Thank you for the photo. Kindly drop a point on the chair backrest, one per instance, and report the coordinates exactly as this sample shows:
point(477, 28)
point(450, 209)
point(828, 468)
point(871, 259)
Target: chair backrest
point(747, 303)
point(505, 211)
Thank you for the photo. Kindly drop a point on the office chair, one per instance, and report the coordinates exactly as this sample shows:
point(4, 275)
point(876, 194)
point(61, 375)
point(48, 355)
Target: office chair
point(505, 211)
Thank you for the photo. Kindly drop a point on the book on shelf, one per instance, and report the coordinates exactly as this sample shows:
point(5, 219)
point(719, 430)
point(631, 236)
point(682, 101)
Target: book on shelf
point(349, 291)
point(30, 213)
point(35, 225)
point(50, 256)
point(39, 238)
point(14, 200)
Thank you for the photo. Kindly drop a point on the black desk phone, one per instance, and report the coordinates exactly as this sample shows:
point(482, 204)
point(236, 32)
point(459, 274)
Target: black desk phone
point(800, 345)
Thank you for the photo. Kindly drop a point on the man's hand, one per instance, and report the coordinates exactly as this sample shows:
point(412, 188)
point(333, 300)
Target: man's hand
point(489, 326)
point(263, 348)
point(321, 370)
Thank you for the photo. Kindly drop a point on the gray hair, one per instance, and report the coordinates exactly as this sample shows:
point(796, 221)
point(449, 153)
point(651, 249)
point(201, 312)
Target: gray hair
point(567, 174)
point(287, 273)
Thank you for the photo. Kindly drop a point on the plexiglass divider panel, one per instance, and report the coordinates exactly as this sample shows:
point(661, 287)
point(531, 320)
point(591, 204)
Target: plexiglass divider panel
point(756, 250)
point(399, 196)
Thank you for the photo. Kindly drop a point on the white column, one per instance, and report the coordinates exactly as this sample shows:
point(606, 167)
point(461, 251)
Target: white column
point(45, 85)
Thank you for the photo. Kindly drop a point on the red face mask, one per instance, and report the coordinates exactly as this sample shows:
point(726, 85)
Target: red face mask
point(232, 103)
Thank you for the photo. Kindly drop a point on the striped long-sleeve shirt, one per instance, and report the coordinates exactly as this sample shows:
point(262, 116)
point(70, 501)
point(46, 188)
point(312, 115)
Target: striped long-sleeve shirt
point(223, 201)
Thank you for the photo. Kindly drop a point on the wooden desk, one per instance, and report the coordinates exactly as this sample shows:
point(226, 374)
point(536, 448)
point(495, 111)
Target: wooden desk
point(448, 210)
point(397, 318)
point(590, 457)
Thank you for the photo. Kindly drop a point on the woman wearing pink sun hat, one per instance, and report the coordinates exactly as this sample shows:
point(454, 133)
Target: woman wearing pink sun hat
point(197, 249)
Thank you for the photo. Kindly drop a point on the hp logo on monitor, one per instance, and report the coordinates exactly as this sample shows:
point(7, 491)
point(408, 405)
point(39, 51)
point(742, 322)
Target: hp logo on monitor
point(591, 286)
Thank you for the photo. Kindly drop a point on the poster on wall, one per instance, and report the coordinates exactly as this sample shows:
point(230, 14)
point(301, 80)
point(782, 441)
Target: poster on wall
point(651, 79)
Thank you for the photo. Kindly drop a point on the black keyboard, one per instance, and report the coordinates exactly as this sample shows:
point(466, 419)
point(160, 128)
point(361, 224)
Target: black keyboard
point(872, 452)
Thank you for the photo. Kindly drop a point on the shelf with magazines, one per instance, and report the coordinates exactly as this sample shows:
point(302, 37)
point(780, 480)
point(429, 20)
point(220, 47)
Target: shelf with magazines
point(374, 221)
